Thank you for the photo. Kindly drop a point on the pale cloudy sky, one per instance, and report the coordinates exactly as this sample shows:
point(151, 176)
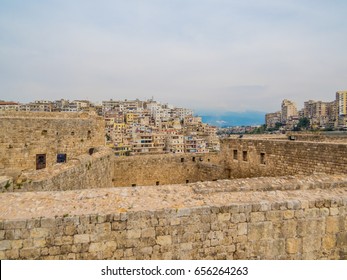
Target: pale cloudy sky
point(227, 55)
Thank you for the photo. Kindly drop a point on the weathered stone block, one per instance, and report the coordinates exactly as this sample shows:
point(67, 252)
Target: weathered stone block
point(148, 232)
point(223, 217)
point(29, 253)
point(133, 234)
point(311, 244)
point(292, 245)
point(5, 245)
point(70, 230)
point(334, 211)
point(48, 222)
point(257, 217)
point(164, 240)
point(289, 228)
point(15, 224)
point(81, 238)
point(39, 242)
point(328, 242)
point(288, 214)
point(39, 232)
point(257, 231)
point(332, 224)
point(242, 228)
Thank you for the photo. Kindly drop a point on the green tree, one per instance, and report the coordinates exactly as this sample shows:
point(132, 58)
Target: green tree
point(304, 123)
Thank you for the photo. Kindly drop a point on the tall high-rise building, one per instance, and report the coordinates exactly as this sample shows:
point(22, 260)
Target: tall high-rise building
point(341, 103)
point(288, 111)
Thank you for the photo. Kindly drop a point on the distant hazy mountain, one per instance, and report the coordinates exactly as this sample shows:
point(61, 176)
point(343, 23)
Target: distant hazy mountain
point(233, 118)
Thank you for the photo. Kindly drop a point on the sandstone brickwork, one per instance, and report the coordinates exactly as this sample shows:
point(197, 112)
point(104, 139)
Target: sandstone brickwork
point(83, 172)
point(292, 219)
point(98, 206)
point(261, 157)
point(23, 135)
point(168, 169)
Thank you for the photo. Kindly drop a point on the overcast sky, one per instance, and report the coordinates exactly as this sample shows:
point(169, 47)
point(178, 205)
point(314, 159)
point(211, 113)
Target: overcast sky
point(222, 55)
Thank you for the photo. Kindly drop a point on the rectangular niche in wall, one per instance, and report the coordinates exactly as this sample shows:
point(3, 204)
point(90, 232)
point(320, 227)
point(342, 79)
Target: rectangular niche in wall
point(262, 158)
point(235, 154)
point(244, 155)
point(61, 158)
point(40, 161)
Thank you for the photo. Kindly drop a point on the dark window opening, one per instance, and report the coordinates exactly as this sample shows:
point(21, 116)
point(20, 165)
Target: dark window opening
point(193, 158)
point(133, 185)
point(72, 133)
point(262, 158)
point(157, 183)
point(244, 155)
point(91, 151)
point(208, 160)
point(214, 179)
point(89, 134)
point(187, 181)
point(235, 154)
point(40, 161)
point(61, 158)
point(182, 159)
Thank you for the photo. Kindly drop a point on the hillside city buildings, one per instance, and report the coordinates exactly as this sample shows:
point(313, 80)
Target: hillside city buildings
point(322, 115)
point(138, 127)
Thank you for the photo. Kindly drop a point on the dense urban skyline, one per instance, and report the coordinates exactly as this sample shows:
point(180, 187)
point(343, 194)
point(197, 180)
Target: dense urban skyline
point(216, 55)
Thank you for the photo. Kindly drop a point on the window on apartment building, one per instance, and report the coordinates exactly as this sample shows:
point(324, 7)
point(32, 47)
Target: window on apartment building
point(182, 159)
point(235, 154)
point(208, 160)
point(91, 151)
point(157, 183)
point(193, 158)
point(40, 161)
point(244, 156)
point(262, 158)
point(133, 185)
point(187, 181)
point(61, 158)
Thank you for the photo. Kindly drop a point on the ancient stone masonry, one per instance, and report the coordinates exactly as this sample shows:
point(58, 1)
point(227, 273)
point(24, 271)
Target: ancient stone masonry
point(168, 169)
point(258, 157)
point(83, 172)
point(36, 140)
point(297, 217)
point(66, 196)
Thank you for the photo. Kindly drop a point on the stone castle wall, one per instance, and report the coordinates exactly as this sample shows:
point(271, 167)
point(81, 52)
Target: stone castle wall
point(167, 169)
point(335, 137)
point(82, 172)
point(259, 157)
point(23, 135)
point(239, 158)
point(297, 218)
point(253, 158)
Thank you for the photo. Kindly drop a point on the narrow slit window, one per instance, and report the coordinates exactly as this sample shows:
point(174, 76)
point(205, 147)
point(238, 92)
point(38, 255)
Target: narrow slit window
point(244, 156)
point(262, 158)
